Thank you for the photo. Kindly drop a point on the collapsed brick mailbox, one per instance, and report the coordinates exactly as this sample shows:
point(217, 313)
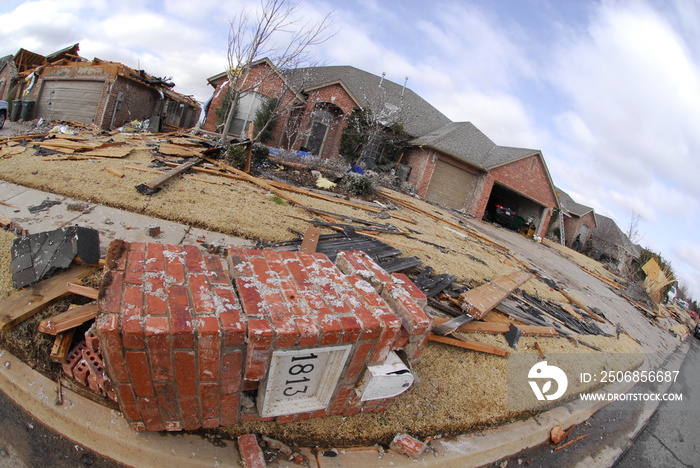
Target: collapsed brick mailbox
point(190, 340)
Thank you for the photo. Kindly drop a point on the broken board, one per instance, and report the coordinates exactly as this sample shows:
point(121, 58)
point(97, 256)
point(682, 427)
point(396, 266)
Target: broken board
point(479, 301)
point(71, 318)
point(27, 302)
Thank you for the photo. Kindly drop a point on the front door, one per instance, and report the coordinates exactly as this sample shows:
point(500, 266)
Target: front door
point(318, 134)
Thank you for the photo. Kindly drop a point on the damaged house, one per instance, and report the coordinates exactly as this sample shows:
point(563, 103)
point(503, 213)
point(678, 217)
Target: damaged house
point(612, 245)
point(452, 164)
point(64, 86)
point(579, 222)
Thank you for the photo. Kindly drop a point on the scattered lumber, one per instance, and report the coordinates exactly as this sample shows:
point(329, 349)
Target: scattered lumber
point(151, 187)
point(610, 282)
point(80, 290)
point(310, 241)
point(71, 318)
point(497, 328)
point(471, 345)
point(61, 346)
point(27, 302)
point(579, 302)
point(178, 150)
point(114, 172)
point(110, 152)
point(480, 301)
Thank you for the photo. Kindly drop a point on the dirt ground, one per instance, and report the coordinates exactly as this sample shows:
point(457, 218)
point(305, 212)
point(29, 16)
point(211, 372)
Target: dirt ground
point(453, 383)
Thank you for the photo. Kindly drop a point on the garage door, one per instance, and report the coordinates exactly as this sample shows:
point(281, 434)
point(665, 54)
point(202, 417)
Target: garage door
point(450, 186)
point(73, 100)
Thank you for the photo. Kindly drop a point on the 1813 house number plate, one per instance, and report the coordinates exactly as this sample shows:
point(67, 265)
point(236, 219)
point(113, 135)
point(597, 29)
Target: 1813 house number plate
point(301, 380)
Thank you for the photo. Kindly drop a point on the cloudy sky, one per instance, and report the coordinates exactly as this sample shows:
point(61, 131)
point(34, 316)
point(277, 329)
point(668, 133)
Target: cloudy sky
point(609, 91)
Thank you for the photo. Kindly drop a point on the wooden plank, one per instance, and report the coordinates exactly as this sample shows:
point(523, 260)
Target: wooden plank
point(71, 318)
point(480, 301)
point(178, 150)
point(160, 180)
point(110, 152)
point(496, 328)
point(471, 345)
point(61, 346)
point(310, 242)
point(579, 302)
point(27, 302)
point(114, 171)
point(80, 290)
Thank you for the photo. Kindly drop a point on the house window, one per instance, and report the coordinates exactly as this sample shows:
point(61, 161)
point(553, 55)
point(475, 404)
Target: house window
point(248, 105)
point(319, 128)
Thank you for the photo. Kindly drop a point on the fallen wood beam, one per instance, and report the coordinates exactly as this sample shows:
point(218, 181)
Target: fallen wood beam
point(71, 318)
point(310, 242)
point(27, 302)
point(497, 328)
point(579, 302)
point(114, 171)
point(480, 301)
point(80, 290)
point(158, 181)
point(471, 345)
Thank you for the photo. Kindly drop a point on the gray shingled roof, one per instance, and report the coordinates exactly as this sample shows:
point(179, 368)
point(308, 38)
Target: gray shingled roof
point(609, 238)
point(465, 142)
point(567, 203)
point(417, 115)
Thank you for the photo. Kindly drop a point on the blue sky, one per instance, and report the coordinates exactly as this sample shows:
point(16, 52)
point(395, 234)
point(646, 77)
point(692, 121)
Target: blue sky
point(609, 91)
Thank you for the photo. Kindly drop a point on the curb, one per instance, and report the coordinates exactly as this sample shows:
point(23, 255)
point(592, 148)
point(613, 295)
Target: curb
point(106, 432)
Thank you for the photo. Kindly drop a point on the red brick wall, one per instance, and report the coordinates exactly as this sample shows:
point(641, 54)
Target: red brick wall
point(573, 225)
point(182, 335)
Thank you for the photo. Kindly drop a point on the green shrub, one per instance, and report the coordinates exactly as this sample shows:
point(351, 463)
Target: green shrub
point(235, 156)
point(357, 184)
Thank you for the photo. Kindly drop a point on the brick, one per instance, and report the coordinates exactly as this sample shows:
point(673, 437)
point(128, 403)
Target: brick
point(238, 262)
point(109, 334)
point(189, 409)
point(231, 372)
point(275, 264)
point(80, 372)
point(111, 296)
point(309, 332)
point(338, 403)
point(410, 287)
point(134, 266)
point(251, 301)
point(352, 329)
point(155, 262)
point(91, 340)
point(174, 264)
point(158, 345)
point(286, 332)
point(411, 314)
point(285, 419)
point(391, 328)
point(209, 348)
point(229, 409)
point(260, 336)
point(127, 402)
point(201, 295)
point(148, 407)
point(209, 394)
point(73, 358)
point(137, 246)
point(407, 445)
point(155, 294)
point(358, 362)
point(262, 272)
point(167, 406)
point(181, 317)
point(137, 361)
point(193, 260)
point(251, 453)
point(359, 263)
point(186, 372)
point(215, 270)
point(402, 339)
point(131, 317)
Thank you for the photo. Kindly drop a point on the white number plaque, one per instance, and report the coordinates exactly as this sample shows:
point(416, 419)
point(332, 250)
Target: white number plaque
point(301, 380)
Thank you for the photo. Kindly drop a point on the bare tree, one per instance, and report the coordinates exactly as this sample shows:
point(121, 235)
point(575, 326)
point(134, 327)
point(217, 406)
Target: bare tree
point(633, 230)
point(276, 32)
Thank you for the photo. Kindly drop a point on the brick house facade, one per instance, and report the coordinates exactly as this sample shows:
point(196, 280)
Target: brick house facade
point(457, 166)
point(579, 221)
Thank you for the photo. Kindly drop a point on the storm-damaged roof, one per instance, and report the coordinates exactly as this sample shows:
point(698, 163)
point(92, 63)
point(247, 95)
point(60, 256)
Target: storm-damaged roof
point(570, 206)
point(464, 142)
point(382, 96)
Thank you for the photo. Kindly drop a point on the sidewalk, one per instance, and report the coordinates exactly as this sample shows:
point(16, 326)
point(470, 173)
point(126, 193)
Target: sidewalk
point(98, 427)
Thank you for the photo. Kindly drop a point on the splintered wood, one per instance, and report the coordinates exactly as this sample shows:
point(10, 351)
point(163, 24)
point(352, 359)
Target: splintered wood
point(27, 302)
point(480, 301)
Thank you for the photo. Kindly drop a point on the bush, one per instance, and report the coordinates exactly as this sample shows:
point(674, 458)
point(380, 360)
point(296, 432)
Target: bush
point(236, 155)
point(357, 184)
